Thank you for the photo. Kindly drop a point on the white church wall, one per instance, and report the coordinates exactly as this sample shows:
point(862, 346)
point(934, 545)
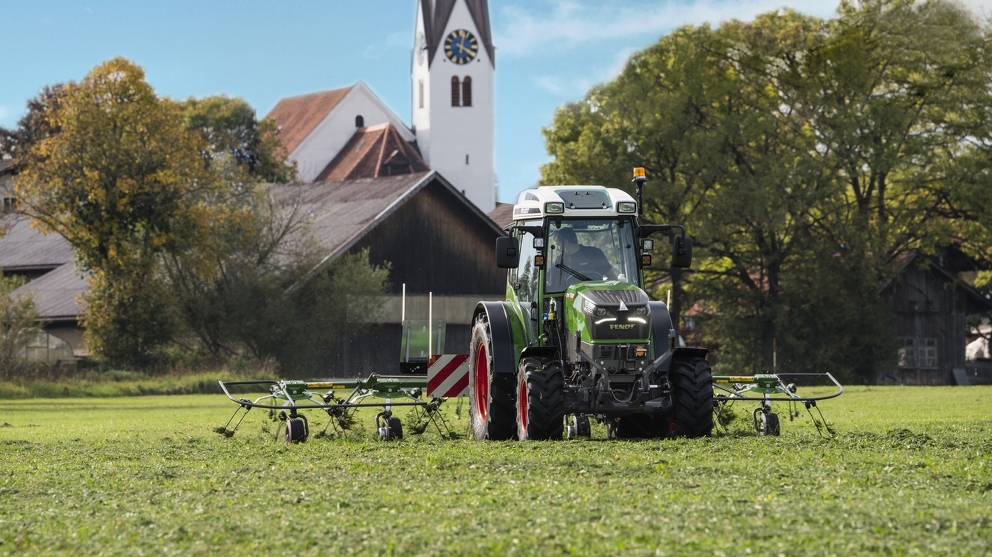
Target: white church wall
point(330, 136)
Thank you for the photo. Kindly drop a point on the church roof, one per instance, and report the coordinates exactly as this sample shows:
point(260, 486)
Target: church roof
point(297, 117)
point(373, 152)
point(436, 20)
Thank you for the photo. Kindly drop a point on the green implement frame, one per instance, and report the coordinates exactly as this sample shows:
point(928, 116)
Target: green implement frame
point(767, 388)
point(285, 400)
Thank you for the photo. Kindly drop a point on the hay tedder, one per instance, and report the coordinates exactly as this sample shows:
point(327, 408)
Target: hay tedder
point(287, 401)
point(767, 388)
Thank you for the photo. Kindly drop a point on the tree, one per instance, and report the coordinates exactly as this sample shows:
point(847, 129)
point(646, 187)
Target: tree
point(119, 177)
point(805, 154)
point(18, 324)
point(232, 132)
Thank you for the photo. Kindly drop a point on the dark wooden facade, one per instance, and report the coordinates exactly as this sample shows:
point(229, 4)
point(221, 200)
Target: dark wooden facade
point(437, 243)
point(930, 305)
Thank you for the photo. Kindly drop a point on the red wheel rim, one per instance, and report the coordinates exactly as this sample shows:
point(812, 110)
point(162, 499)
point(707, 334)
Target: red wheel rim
point(522, 403)
point(482, 382)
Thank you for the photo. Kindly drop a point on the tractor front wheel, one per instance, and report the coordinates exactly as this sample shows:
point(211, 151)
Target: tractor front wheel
point(693, 397)
point(540, 400)
point(490, 395)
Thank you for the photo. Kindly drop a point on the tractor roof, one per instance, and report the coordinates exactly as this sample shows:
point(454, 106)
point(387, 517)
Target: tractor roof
point(573, 201)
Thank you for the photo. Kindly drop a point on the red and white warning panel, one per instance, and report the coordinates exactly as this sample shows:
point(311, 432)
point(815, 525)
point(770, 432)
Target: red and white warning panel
point(447, 375)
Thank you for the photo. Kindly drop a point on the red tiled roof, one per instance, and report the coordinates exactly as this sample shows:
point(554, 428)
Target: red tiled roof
point(297, 117)
point(373, 152)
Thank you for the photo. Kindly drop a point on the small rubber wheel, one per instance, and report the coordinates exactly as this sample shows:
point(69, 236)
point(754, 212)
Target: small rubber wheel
point(296, 430)
point(768, 424)
point(395, 426)
point(580, 424)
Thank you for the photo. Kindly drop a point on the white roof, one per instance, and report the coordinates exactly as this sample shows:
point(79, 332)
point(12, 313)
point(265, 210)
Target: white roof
point(579, 201)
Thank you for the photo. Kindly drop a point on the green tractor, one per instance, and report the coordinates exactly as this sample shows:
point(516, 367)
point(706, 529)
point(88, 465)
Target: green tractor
point(577, 336)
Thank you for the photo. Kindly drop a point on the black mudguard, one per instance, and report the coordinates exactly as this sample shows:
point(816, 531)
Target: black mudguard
point(661, 328)
point(501, 335)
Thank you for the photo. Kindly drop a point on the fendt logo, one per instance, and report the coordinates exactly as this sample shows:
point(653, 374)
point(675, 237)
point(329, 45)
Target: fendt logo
point(622, 326)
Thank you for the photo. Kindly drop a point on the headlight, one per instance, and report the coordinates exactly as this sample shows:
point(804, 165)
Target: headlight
point(600, 312)
point(626, 207)
point(554, 207)
point(643, 310)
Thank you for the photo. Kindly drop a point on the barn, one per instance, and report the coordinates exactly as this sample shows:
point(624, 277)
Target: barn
point(930, 305)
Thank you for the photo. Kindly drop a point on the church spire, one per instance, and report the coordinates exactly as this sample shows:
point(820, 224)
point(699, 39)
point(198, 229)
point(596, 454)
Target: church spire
point(436, 14)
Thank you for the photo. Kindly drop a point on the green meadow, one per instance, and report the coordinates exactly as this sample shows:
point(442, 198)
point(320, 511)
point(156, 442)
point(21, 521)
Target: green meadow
point(909, 472)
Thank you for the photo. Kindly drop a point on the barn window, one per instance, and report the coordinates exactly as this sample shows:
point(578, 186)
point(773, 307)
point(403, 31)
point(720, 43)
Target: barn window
point(359, 121)
point(918, 352)
point(467, 91)
point(455, 91)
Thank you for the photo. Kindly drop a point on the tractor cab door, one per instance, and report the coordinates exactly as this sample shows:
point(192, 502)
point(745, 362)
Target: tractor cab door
point(524, 281)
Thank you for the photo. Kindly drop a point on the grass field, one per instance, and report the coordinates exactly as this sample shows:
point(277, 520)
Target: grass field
point(908, 473)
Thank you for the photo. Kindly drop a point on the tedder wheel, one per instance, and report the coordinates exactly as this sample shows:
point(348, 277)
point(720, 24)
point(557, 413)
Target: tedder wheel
point(540, 400)
point(693, 397)
point(395, 426)
point(296, 430)
point(490, 395)
point(579, 427)
point(768, 423)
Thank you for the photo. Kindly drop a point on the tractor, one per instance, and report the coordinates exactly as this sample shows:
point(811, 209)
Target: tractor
point(577, 337)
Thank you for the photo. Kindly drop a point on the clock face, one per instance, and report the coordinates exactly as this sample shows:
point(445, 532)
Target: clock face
point(461, 47)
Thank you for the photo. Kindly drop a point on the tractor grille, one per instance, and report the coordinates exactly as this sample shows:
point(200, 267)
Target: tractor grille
point(614, 297)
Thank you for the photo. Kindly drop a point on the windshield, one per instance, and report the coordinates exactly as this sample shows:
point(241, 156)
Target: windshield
point(584, 250)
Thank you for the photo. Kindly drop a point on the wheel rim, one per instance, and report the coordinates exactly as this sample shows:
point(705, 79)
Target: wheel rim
point(522, 403)
point(482, 382)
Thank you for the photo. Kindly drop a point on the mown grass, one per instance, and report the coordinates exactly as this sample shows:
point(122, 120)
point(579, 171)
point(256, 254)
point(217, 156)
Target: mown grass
point(908, 473)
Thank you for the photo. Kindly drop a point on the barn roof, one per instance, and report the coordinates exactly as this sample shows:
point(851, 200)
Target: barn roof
point(298, 116)
point(342, 213)
point(56, 294)
point(902, 261)
point(502, 215)
point(373, 152)
point(24, 248)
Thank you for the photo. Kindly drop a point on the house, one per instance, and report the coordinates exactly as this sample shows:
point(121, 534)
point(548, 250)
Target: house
point(930, 304)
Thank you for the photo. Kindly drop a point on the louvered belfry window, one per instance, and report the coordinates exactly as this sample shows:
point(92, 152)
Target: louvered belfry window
point(455, 91)
point(467, 91)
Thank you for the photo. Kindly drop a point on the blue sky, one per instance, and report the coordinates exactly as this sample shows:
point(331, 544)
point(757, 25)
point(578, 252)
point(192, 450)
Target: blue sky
point(549, 52)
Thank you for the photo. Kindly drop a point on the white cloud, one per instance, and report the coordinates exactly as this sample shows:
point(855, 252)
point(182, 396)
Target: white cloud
point(575, 88)
point(4, 113)
point(572, 22)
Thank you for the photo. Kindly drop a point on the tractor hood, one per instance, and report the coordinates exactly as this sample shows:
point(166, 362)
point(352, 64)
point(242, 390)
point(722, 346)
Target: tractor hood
point(608, 310)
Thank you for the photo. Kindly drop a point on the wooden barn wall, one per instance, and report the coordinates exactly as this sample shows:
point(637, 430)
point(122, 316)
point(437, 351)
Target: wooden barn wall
point(435, 244)
point(927, 305)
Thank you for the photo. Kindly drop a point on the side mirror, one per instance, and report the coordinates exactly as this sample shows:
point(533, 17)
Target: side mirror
point(681, 251)
point(507, 252)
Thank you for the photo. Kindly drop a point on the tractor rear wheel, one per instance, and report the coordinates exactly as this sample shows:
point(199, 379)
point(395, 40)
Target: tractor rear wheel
point(540, 400)
point(490, 395)
point(693, 397)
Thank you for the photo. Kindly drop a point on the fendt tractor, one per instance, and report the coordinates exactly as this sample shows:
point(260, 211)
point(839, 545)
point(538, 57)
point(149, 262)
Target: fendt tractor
point(577, 336)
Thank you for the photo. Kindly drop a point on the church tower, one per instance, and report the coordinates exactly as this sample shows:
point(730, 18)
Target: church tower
point(453, 65)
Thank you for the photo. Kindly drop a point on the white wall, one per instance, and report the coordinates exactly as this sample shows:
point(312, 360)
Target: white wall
point(330, 136)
